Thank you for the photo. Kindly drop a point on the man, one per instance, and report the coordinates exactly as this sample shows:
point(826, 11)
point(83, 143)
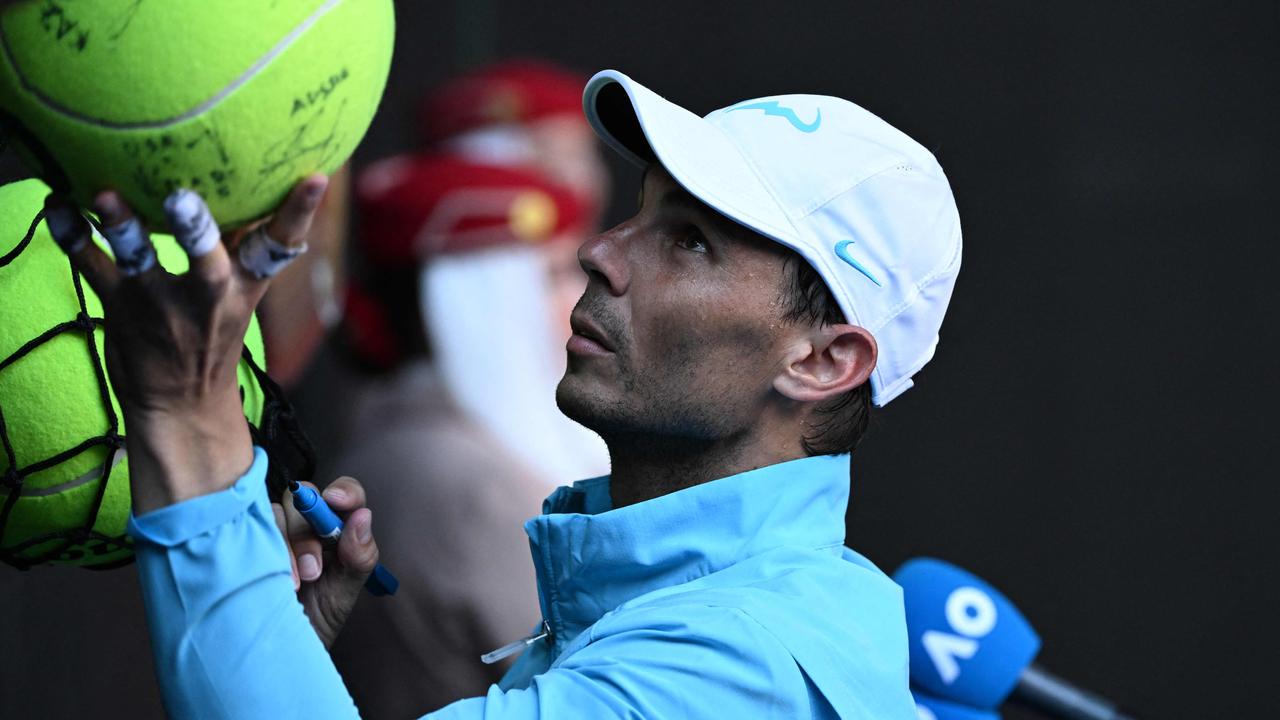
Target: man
point(792, 256)
point(448, 245)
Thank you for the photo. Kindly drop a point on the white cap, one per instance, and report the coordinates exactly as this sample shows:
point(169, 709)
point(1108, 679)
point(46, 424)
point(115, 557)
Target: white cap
point(868, 207)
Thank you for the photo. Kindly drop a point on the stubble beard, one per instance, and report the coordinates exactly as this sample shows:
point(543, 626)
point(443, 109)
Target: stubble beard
point(640, 405)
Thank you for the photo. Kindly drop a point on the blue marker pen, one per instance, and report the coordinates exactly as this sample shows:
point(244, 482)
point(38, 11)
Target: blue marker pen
point(328, 526)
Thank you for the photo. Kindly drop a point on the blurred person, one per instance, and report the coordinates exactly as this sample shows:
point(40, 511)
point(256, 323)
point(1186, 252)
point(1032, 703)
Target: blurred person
point(450, 248)
point(521, 112)
point(788, 268)
point(484, 225)
point(416, 211)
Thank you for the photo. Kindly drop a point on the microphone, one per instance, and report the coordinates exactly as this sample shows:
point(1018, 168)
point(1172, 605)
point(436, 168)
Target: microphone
point(931, 708)
point(970, 645)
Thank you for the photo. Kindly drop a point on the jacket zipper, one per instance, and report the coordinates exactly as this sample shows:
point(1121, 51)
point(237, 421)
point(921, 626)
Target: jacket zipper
point(542, 631)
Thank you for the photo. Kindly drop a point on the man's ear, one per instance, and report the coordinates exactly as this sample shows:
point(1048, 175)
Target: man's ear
point(826, 362)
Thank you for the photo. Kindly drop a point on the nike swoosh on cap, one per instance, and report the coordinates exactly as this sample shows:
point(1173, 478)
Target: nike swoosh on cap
point(842, 251)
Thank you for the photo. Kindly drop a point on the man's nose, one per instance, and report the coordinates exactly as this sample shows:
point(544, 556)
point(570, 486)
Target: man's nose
point(604, 258)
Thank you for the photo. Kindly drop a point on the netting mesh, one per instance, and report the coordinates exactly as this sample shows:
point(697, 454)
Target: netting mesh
point(65, 544)
point(291, 455)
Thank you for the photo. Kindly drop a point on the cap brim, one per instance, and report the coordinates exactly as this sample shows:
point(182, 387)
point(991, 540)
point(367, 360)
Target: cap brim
point(645, 128)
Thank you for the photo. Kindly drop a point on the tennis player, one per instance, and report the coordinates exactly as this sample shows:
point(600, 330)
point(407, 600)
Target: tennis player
point(788, 267)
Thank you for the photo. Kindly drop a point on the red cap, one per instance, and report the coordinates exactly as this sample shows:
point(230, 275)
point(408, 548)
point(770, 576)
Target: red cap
point(514, 91)
point(415, 207)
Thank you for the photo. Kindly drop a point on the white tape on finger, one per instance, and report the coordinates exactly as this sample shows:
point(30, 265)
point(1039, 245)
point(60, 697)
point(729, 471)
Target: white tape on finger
point(192, 223)
point(263, 256)
point(131, 246)
point(68, 228)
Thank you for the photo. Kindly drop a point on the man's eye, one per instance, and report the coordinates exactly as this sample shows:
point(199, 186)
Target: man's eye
point(692, 239)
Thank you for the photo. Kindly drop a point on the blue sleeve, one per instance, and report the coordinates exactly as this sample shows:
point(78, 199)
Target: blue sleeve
point(230, 638)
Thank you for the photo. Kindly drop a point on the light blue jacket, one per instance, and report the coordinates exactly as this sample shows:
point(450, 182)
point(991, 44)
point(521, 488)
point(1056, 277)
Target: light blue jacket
point(731, 599)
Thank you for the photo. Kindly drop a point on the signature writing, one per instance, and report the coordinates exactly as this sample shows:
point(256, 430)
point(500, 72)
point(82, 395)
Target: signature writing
point(317, 138)
point(126, 18)
point(73, 31)
point(320, 93)
point(66, 30)
point(156, 174)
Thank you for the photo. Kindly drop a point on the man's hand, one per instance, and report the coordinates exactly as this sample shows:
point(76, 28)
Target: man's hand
point(173, 342)
point(329, 580)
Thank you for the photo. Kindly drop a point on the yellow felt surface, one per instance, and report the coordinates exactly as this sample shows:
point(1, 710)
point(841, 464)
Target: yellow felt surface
point(51, 398)
point(78, 53)
point(302, 112)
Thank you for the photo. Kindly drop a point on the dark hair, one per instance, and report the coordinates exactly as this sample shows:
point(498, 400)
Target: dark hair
point(839, 423)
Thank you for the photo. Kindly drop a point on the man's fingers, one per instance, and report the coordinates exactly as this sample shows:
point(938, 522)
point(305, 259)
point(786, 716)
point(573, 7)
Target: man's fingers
point(306, 546)
point(278, 510)
point(262, 256)
point(357, 550)
point(124, 232)
point(345, 494)
point(196, 231)
point(74, 235)
point(293, 219)
point(269, 248)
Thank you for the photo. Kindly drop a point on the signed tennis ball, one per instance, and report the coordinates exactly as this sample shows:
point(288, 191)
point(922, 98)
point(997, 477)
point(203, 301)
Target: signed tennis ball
point(235, 99)
point(64, 475)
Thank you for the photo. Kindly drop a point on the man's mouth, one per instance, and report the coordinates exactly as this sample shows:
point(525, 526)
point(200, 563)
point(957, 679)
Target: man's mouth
point(587, 337)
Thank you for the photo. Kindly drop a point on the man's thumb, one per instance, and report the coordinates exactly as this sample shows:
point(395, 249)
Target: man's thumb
point(357, 550)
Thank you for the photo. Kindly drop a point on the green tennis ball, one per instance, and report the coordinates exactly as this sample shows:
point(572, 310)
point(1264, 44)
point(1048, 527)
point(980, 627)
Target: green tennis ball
point(51, 400)
point(235, 99)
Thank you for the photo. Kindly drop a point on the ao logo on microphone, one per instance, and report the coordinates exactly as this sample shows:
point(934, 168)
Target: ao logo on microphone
point(972, 615)
point(968, 644)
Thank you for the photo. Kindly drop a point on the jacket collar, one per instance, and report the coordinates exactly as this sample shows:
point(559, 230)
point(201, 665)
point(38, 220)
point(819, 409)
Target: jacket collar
point(590, 558)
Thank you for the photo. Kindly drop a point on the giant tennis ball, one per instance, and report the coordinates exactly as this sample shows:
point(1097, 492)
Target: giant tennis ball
point(64, 476)
point(235, 99)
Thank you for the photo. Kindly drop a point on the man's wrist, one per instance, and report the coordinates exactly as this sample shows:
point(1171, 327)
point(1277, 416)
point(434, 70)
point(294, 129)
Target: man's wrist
point(176, 457)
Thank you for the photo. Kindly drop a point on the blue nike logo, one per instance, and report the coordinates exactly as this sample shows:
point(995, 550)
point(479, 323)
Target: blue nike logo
point(772, 107)
point(842, 251)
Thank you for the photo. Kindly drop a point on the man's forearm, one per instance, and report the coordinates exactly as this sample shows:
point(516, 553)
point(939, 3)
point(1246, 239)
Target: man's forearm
point(229, 637)
point(176, 458)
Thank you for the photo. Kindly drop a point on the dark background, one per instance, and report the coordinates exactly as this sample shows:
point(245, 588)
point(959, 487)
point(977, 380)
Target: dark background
point(1094, 436)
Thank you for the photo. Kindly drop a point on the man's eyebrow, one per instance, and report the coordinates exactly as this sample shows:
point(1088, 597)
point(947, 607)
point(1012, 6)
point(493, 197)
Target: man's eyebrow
point(717, 226)
point(681, 199)
point(677, 198)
